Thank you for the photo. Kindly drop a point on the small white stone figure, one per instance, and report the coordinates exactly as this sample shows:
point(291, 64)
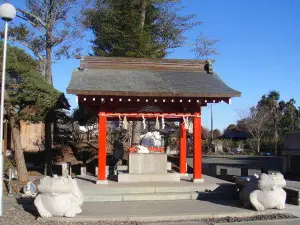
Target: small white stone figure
point(266, 192)
point(142, 149)
point(58, 196)
point(30, 190)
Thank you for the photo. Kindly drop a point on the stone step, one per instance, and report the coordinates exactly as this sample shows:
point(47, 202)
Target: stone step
point(159, 189)
point(158, 196)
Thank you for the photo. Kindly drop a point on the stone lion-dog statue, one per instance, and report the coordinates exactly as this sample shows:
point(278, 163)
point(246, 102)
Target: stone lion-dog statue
point(264, 192)
point(58, 197)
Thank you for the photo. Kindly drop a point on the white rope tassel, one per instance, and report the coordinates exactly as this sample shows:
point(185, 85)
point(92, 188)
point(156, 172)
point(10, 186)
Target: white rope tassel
point(120, 121)
point(186, 122)
point(157, 127)
point(125, 123)
point(191, 127)
point(163, 122)
point(144, 122)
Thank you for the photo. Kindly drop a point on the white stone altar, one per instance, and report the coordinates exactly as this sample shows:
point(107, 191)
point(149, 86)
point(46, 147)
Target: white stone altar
point(148, 167)
point(58, 196)
point(148, 163)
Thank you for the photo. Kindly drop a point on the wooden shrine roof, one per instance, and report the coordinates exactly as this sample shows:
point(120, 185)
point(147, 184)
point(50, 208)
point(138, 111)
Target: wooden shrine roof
point(147, 77)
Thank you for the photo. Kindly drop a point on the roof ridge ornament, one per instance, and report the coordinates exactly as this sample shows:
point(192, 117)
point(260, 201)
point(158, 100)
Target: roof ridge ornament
point(209, 66)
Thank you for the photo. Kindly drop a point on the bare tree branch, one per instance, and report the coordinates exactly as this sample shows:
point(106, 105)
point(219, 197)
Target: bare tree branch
point(255, 121)
point(205, 47)
point(33, 16)
point(24, 18)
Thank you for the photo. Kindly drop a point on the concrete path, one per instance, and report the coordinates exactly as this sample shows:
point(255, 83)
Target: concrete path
point(167, 212)
point(164, 211)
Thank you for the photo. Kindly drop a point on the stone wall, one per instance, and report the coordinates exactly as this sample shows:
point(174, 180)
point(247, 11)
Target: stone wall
point(226, 167)
point(291, 150)
point(291, 141)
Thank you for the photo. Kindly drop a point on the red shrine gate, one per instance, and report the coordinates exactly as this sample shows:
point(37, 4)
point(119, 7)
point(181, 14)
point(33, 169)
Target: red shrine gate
point(121, 87)
point(197, 175)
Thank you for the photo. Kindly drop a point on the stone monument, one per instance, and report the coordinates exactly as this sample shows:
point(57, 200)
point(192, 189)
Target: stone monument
point(291, 151)
point(58, 197)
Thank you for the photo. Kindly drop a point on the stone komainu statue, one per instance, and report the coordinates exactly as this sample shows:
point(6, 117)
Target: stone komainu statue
point(58, 196)
point(264, 192)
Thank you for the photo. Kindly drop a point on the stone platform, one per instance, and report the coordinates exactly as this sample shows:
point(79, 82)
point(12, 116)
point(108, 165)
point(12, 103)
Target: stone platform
point(212, 188)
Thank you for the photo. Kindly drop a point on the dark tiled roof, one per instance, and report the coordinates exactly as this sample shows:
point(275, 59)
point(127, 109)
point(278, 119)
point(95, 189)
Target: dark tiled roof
point(131, 82)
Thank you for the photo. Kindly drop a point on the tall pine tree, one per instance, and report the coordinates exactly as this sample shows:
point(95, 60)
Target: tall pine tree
point(137, 28)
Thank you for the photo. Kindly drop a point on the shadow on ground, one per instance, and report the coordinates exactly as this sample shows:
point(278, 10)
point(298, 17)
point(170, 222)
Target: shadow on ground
point(28, 205)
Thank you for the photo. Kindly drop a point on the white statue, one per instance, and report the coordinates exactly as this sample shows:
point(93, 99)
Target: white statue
point(151, 139)
point(265, 192)
point(58, 196)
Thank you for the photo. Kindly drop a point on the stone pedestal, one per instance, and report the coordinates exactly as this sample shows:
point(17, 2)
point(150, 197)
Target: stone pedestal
point(148, 167)
point(148, 177)
point(150, 163)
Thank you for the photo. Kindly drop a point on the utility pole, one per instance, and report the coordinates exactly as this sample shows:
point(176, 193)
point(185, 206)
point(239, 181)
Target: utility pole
point(7, 13)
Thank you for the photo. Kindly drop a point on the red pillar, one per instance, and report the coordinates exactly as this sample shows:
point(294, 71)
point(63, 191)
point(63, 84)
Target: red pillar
point(102, 148)
point(182, 150)
point(197, 149)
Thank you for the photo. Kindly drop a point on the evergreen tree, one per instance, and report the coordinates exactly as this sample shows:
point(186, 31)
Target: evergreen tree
point(27, 97)
point(137, 28)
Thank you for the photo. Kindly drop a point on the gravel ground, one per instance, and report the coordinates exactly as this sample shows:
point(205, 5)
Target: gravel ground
point(251, 218)
point(17, 216)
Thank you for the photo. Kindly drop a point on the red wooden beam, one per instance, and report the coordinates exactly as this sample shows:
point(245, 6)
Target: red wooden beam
point(182, 150)
point(102, 149)
point(197, 176)
point(149, 115)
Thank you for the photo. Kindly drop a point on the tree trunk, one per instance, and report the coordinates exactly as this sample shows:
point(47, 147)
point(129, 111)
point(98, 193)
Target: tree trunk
point(48, 145)
point(48, 70)
point(49, 44)
point(88, 135)
point(48, 120)
point(136, 132)
point(143, 13)
point(258, 145)
point(275, 137)
point(19, 155)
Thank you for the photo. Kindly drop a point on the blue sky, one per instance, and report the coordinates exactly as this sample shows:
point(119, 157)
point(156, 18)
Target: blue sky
point(259, 51)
